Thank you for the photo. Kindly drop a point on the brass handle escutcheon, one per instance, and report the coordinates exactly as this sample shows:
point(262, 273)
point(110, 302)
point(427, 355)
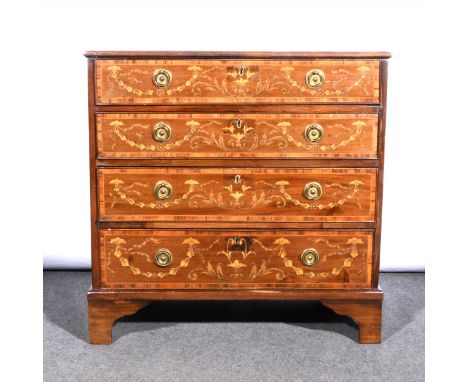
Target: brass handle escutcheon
point(163, 257)
point(161, 132)
point(310, 256)
point(162, 190)
point(313, 133)
point(313, 191)
point(162, 78)
point(315, 78)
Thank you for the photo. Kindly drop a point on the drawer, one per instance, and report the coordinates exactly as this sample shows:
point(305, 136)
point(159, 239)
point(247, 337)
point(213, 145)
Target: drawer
point(235, 81)
point(237, 135)
point(192, 259)
point(213, 194)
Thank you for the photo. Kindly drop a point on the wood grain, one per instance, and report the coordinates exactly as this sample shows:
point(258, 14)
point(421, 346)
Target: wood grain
point(213, 194)
point(92, 177)
point(244, 225)
point(235, 259)
point(207, 108)
point(171, 54)
point(277, 163)
point(103, 313)
point(236, 136)
point(222, 81)
point(348, 294)
point(380, 176)
point(367, 314)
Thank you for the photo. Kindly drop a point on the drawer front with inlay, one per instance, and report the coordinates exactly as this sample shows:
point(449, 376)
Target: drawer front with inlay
point(236, 81)
point(193, 259)
point(237, 135)
point(212, 194)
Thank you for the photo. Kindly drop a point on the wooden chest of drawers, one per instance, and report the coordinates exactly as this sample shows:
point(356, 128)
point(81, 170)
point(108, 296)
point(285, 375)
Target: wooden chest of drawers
point(236, 176)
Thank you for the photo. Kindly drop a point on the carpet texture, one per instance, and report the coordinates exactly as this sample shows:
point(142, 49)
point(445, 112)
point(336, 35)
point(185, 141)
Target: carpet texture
point(233, 341)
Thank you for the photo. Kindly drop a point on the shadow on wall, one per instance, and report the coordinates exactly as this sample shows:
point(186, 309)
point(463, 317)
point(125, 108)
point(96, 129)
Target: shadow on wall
point(65, 305)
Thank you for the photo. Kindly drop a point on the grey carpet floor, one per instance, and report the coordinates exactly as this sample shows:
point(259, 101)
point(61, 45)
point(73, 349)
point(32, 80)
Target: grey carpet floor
point(233, 341)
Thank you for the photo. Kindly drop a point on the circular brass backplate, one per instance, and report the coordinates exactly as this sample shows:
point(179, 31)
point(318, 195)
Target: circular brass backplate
point(163, 257)
point(163, 190)
point(162, 77)
point(313, 133)
point(313, 191)
point(315, 78)
point(310, 256)
point(161, 132)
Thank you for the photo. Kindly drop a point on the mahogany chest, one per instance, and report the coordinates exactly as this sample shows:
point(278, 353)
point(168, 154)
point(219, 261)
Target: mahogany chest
point(231, 176)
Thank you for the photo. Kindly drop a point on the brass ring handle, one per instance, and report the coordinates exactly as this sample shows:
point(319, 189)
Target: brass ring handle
point(161, 132)
point(313, 191)
point(310, 257)
point(315, 78)
point(163, 190)
point(162, 78)
point(163, 257)
point(313, 133)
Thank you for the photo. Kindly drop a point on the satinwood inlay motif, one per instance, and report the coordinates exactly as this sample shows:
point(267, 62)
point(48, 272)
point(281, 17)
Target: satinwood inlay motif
point(237, 136)
point(240, 258)
point(235, 195)
point(250, 83)
point(277, 81)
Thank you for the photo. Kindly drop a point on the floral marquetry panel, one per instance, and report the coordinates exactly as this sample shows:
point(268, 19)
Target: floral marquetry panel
point(237, 135)
point(212, 194)
point(232, 81)
point(235, 259)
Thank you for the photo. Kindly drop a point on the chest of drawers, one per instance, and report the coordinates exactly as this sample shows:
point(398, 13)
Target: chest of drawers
point(232, 176)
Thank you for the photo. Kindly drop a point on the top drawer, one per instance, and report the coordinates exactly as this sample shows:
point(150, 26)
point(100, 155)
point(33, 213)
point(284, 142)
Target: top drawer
point(140, 82)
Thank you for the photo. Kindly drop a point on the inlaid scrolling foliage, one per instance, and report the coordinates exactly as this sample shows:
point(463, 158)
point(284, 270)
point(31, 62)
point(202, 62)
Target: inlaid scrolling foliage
point(252, 81)
point(240, 259)
point(235, 195)
point(238, 137)
point(126, 79)
point(360, 79)
point(123, 253)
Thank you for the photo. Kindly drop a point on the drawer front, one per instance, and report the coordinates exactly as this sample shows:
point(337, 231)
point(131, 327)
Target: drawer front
point(234, 81)
point(169, 194)
point(237, 135)
point(191, 259)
